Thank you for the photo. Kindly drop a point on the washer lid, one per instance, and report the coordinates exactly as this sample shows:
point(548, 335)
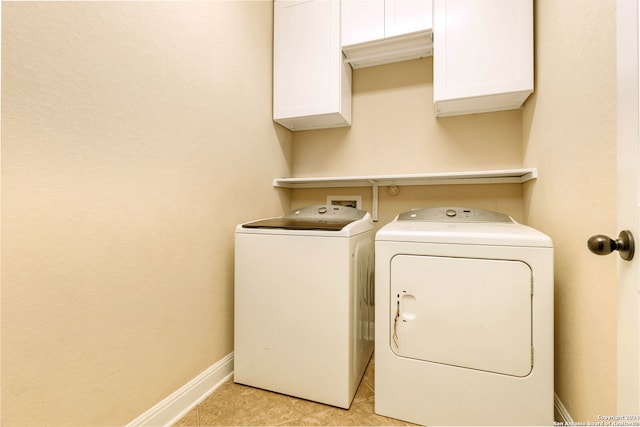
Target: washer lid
point(318, 217)
point(297, 224)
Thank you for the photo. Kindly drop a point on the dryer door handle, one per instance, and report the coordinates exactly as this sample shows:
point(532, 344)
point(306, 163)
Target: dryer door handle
point(407, 308)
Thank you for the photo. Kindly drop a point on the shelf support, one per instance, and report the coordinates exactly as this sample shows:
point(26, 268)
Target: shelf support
point(374, 200)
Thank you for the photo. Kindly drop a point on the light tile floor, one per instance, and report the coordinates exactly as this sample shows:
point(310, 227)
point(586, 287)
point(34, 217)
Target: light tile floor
point(238, 405)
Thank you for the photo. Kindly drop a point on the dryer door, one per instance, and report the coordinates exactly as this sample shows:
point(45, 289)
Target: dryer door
point(465, 312)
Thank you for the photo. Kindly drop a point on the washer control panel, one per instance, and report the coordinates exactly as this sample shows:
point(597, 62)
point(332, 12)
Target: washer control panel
point(326, 212)
point(454, 214)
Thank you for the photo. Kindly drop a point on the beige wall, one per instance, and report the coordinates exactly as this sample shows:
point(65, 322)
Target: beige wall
point(394, 131)
point(135, 135)
point(570, 136)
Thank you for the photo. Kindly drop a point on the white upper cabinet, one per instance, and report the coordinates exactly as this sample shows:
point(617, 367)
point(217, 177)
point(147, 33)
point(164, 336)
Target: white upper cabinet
point(311, 82)
point(377, 32)
point(483, 55)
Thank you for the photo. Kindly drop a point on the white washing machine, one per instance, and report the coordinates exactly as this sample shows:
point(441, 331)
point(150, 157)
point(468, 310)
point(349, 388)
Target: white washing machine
point(304, 313)
point(464, 319)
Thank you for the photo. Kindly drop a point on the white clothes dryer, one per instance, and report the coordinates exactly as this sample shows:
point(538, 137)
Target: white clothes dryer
point(464, 319)
point(304, 311)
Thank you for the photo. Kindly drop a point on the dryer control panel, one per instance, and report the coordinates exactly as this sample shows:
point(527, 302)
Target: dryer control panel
point(454, 214)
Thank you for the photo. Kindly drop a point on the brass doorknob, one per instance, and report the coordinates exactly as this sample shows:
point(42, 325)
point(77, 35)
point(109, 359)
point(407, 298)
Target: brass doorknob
point(604, 245)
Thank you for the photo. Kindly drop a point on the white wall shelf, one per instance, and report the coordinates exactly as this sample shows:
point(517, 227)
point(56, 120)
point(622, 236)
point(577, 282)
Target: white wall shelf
point(500, 176)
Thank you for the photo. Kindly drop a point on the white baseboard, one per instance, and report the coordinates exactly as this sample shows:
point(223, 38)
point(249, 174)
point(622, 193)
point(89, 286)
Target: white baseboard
point(561, 412)
point(179, 403)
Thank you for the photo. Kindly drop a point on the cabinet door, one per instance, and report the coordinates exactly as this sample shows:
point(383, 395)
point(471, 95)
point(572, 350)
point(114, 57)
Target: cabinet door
point(362, 20)
point(311, 84)
point(407, 16)
point(483, 55)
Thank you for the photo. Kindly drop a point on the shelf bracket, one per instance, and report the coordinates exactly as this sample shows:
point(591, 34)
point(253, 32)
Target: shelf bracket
point(374, 200)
